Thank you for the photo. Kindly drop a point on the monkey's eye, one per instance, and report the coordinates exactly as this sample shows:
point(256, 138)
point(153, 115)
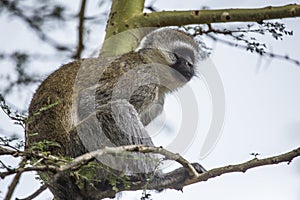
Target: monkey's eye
point(176, 56)
point(189, 64)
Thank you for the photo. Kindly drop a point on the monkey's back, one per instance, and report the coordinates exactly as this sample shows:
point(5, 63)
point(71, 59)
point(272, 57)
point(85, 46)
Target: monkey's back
point(51, 112)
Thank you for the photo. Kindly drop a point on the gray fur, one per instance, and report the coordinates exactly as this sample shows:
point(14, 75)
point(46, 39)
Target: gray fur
point(100, 102)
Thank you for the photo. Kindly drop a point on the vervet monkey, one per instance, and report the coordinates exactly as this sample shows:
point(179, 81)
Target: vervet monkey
point(96, 102)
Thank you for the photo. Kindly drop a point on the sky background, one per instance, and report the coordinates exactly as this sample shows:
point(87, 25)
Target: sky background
point(262, 108)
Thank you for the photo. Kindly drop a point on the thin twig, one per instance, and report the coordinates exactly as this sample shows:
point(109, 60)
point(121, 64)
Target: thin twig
point(18, 153)
point(85, 158)
point(243, 167)
point(269, 54)
point(15, 181)
point(4, 166)
point(81, 18)
point(48, 168)
point(36, 193)
point(170, 156)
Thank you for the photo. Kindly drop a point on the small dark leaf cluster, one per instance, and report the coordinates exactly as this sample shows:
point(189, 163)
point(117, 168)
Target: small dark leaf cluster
point(4, 141)
point(146, 196)
point(13, 115)
point(276, 29)
point(245, 37)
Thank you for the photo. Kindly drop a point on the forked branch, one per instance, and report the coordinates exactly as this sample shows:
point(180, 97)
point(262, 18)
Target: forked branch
point(188, 174)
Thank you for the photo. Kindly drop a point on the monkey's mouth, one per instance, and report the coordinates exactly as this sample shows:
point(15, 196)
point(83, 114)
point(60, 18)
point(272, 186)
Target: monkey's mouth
point(185, 69)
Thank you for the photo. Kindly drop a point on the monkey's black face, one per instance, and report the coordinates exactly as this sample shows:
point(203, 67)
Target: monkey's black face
point(182, 60)
point(184, 67)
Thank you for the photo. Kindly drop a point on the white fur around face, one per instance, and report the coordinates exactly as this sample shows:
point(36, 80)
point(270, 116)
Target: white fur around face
point(168, 41)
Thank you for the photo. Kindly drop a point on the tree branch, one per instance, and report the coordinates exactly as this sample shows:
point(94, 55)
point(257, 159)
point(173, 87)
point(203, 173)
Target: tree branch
point(134, 19)
point(243, 167)
point(121, 11)
point(80, 45)
point(180, 18)
point(15, 181)
point(44, 168)
point(177, 179)
point(195, 173)
point(181, 177)
point(36, 193)
point(85, 158)
point(12, 186)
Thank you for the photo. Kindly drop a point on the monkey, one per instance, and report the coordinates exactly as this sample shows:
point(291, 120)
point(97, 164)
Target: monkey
point(107, 101)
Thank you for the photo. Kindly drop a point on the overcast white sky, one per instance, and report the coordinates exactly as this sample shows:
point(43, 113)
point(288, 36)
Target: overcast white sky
point(262, 110)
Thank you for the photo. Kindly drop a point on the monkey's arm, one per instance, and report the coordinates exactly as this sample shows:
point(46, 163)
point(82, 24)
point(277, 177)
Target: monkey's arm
point(120, 123)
